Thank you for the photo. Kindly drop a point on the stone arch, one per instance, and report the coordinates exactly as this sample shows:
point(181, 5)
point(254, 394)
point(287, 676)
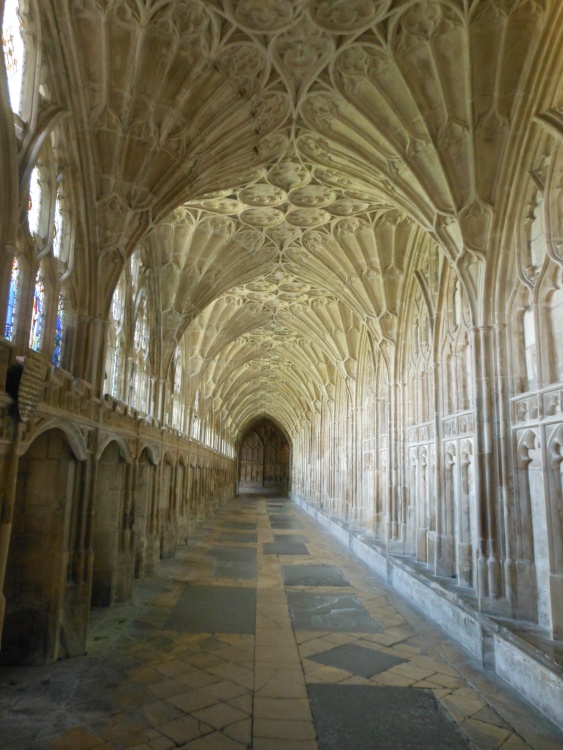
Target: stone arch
point(122, 444)
point(39, 625)
point(74, 436)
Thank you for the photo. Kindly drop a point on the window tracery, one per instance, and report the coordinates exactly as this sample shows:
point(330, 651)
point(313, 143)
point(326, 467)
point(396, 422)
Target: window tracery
point(13, 299)
point(57, 226)
point(116, 345)
point(59, 331)
point(34, 202)
point(38, 314)
point(13, 46)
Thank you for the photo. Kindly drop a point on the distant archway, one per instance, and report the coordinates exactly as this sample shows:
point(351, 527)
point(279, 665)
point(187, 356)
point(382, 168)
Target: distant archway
point(264, 458)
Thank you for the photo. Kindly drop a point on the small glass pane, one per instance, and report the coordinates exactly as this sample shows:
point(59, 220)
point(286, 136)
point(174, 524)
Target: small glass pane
point(116, 370)
point(12, 300)
point(135, 269)
point(14, 51)
point(57, 227)
point(59, 332)
point(34, 202)
point(38, 315)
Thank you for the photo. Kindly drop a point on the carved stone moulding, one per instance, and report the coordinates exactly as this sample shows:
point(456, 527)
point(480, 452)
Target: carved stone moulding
point(553, 403)
point(347, 16)
point(262, 217)
point(525, 409)
point(263, 196)
point(307, 218)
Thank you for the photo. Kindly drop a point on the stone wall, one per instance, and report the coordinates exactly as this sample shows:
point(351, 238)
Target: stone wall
point(93, 496)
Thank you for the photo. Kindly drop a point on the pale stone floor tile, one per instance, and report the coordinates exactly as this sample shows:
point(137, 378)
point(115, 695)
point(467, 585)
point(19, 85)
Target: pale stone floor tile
point(515, 743)
point(225, 690)
point(241, 731)
point(242, 702)
point(282, 708)
point(220, 715)
point(215, 741)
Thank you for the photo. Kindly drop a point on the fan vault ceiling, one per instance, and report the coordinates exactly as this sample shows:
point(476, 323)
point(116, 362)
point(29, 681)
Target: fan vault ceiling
point(284, 161)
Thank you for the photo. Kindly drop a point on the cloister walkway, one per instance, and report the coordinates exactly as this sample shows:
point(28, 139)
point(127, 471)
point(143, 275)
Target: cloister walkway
point(265, 633)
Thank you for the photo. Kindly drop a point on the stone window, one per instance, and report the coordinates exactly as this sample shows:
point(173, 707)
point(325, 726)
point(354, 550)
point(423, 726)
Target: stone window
point(38, 314)
point(13, 46)
point(13, 300)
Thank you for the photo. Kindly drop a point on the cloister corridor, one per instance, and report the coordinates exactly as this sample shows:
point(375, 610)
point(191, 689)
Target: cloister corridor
point(265, 633)
point(281, 374)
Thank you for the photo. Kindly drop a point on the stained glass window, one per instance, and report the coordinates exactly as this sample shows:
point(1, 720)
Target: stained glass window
point(59, 331)
point(57, 227)
point(12, 300)
point(34, 202)
point(14, 51)
point(38, 315)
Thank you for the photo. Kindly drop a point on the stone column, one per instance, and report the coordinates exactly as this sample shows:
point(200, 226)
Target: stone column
point(488, 567)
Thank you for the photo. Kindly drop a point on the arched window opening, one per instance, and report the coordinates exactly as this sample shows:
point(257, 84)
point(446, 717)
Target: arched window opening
point(34, 202)
point(116, 346)
point(59, 332)
point(58, 226)
point(530, 354)
point(136, 262)
point(177, 405)
point(538, 238)
point(13, 47)
point(38, 314)
point(138, 394)
point(116, 370)
point(13, 299)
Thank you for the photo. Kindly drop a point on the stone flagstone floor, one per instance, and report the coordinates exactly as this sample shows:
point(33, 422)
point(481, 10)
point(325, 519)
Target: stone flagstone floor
point(265, 633)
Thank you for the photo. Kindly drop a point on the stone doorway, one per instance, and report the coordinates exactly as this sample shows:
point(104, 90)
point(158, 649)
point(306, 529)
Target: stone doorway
point(264, 459)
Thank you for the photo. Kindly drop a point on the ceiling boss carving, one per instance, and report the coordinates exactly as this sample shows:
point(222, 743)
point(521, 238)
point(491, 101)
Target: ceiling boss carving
point(285, 159)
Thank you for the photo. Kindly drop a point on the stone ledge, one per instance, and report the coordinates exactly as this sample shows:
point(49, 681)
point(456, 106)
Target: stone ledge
point(531, 672)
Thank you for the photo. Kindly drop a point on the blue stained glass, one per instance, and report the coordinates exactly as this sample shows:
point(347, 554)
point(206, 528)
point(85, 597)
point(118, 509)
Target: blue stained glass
point(12, 300)
point(59, 332)
point(38, 315)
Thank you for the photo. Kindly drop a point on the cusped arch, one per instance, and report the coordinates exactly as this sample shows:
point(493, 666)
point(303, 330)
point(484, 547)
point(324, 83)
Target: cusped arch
point(75, 438)
point(124, 448)
point(152, 452)
point(251, 422)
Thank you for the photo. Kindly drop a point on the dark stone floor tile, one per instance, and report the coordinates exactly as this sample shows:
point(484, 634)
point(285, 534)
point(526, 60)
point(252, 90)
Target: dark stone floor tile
point(214, 609)
point(364, 662)
point(293, 538)
point(284, 548)
point(352, 717)
point(286, 525)
point(244, 570)
point(238, 536)
point(336, 612)
point(313, 575)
